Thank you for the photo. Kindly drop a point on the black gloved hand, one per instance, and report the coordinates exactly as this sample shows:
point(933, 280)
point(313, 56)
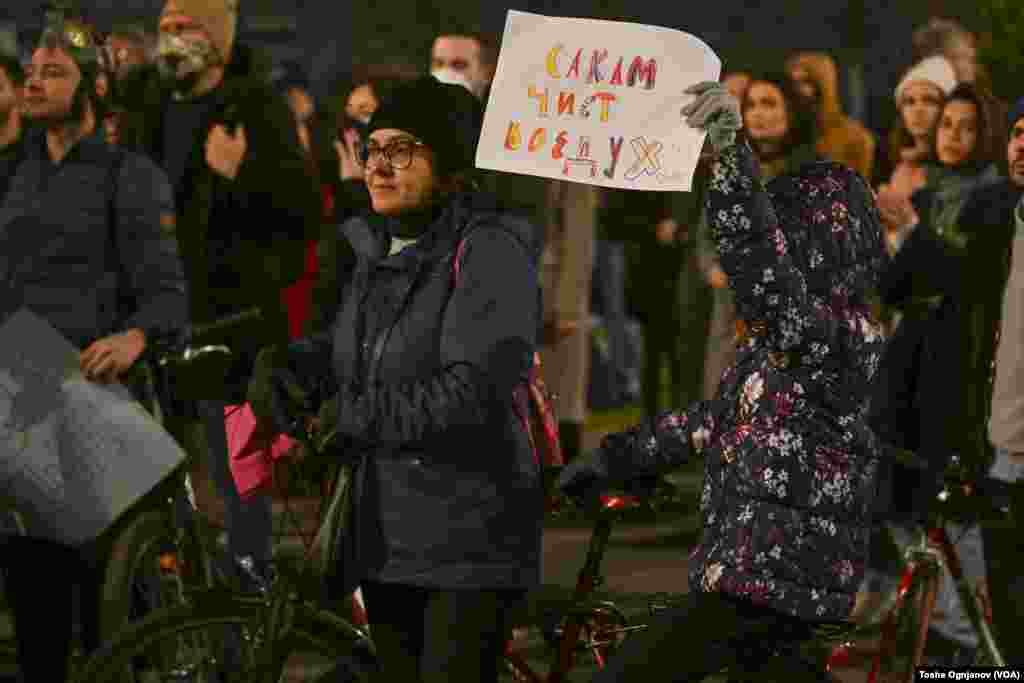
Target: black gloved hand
point(584, 478)
point(276, 395)
point(612, 464)
point(631, 460)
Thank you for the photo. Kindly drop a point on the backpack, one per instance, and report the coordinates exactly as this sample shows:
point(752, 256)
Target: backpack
point(531, 401)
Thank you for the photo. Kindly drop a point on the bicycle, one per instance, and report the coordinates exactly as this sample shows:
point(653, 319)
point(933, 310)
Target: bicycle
point(585, 626)
point(903, 617)
point(164, 550)
point(289, 616)
point(151, 552)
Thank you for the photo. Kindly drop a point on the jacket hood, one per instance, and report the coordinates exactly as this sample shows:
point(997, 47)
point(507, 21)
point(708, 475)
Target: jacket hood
point(370, 233)
point(822, 70)
point(833, 230)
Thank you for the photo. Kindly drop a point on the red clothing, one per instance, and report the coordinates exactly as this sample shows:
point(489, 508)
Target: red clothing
point(298, 298)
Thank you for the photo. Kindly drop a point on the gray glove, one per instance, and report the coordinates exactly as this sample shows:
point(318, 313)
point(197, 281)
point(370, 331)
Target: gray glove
point(716, 111)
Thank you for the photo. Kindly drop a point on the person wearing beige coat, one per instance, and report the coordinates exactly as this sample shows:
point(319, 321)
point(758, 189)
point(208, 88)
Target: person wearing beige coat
point(566, 265)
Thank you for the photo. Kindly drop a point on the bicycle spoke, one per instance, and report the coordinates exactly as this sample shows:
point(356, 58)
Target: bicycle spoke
point(220, 641)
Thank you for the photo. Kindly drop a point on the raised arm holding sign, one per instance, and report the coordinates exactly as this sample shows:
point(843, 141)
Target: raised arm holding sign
point(595, 102)
point(791, 464)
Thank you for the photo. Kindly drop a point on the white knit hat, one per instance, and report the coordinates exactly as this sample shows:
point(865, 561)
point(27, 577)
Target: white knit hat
point(936, 70)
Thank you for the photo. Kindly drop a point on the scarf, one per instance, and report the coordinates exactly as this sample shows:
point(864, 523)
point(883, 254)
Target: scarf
point(952, 187)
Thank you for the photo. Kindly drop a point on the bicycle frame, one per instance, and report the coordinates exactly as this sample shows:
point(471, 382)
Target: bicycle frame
point(921, 578)
point(587, 581)
point(923, 567)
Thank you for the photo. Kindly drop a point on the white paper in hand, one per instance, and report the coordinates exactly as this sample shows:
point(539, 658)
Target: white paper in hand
point(74, 455)
point(595, 102)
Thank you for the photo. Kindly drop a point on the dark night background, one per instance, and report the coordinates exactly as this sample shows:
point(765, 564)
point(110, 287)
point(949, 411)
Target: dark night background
point(321, 33)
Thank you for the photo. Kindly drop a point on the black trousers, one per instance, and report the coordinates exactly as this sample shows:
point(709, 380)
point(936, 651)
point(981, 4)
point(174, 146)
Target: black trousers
point(662, 348)
point(424, 635)
point(41, 576)
point(708, 633)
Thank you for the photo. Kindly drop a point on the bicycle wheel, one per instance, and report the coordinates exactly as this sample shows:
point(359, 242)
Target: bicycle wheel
point(132, 567)
point(219, 640)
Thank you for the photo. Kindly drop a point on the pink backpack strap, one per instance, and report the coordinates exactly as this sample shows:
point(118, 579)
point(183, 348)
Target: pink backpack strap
point(457, 264)
point(520, 394)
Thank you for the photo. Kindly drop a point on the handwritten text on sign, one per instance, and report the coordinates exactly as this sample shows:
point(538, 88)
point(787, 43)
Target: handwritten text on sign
point(591, 112)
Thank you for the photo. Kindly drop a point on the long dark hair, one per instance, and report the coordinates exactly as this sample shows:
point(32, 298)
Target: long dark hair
point(802, 128)
point(990, 147)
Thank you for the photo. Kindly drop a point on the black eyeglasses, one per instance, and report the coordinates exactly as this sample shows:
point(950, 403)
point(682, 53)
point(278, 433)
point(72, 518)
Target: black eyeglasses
point(398, 153)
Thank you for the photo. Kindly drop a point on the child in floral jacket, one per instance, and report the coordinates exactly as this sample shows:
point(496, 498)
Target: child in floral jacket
point(790, 464)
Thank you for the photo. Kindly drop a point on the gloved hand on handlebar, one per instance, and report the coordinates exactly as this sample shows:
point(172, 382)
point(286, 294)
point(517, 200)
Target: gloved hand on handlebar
point(612, 465)
point(276, 394)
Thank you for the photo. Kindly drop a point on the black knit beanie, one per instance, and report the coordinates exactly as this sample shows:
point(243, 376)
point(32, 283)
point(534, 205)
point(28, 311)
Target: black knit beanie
point(447, 118)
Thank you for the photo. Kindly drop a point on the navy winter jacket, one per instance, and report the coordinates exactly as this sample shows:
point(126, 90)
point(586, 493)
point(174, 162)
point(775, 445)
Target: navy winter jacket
point(448, 493)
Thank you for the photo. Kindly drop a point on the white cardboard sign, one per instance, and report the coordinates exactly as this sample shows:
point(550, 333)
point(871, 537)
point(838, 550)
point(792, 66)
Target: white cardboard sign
point(74, 454)
point(595, 102)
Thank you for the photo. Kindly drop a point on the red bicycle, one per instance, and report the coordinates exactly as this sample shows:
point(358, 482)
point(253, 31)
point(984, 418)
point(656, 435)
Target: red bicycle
point(901, 622)
point(586, 627)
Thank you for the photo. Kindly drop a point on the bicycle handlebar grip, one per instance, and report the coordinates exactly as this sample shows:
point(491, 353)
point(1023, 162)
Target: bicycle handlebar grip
point(998, 493)
point(909, 458)
point(224, 324)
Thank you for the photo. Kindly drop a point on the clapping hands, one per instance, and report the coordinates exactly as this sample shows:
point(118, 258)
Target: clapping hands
point(896, 209)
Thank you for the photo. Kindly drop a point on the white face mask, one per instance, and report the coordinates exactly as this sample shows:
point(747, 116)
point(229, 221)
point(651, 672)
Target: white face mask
point(453, 77)
point(181, 59)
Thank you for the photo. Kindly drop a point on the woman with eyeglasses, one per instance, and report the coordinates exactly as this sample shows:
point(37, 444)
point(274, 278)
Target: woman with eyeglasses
point(424, 356)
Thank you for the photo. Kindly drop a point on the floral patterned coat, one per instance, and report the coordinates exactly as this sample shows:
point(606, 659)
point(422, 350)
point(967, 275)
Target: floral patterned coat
point(790, 463)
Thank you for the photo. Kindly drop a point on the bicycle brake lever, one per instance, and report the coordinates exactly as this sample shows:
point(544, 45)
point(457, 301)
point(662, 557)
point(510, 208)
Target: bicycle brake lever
point(248, 565)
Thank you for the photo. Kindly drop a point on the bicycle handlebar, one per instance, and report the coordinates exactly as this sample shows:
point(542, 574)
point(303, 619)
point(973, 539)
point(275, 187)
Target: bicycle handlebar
point(226, 323)
point(180, 342)
point(960, 492)
point(981, 495)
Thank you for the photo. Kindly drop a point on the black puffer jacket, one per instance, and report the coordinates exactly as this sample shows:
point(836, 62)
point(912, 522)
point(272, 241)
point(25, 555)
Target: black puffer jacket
point(448, 493)
point(242, 241)
point(933, 393)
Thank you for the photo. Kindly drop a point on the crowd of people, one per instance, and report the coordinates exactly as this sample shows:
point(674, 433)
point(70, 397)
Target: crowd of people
point(818, 295)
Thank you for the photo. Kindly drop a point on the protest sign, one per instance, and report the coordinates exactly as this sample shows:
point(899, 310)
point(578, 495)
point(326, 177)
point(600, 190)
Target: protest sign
point(74, 455)
point(596, 102)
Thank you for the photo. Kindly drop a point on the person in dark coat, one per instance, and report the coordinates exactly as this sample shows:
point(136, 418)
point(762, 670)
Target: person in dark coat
point(655, 258)
point(87, 244)
point(12, 138)
point(925, 278)
point(427, 361)
point(790, 463)
point(248, 202)
point(934, 389)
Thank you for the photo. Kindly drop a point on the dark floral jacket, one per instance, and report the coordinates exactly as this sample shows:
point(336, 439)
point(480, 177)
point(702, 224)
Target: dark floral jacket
point(790, 464)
